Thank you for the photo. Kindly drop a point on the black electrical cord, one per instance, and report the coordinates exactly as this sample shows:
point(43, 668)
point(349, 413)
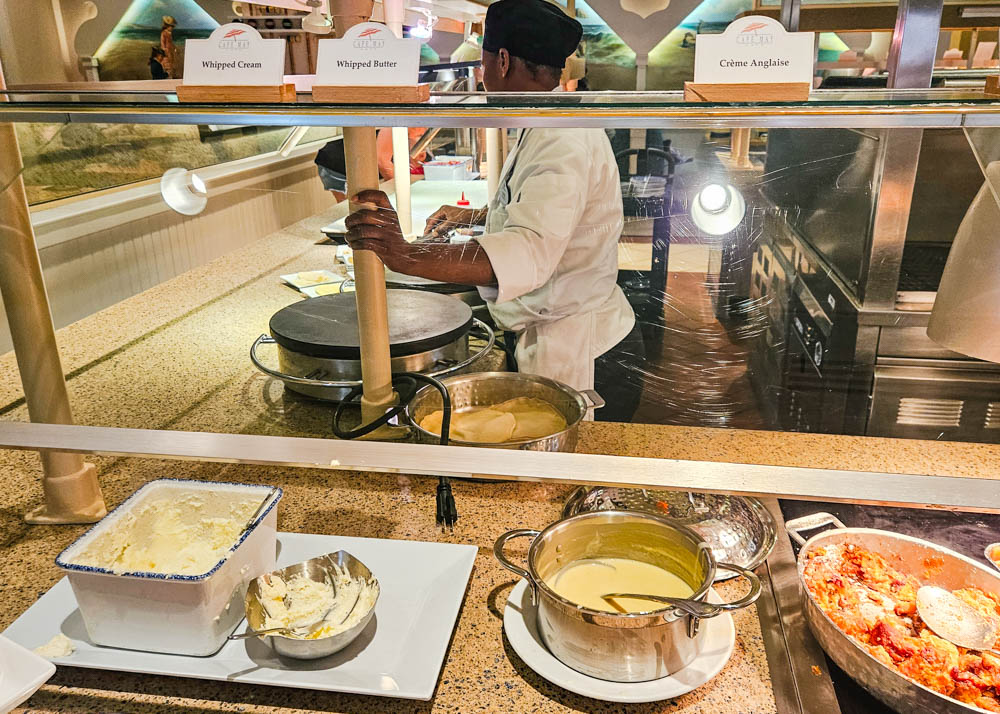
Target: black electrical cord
point(447, 511)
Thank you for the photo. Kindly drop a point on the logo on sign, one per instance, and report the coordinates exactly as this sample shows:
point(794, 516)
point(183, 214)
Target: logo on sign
point(367, 40)
point(753, 36)
point(233, 40)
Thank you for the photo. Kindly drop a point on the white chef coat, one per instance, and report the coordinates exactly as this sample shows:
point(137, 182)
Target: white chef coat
point(552, 234)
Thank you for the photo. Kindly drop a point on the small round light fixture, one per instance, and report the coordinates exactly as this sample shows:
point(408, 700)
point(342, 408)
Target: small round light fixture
point(317, 22)
point(184, 191)
point(717, 209)
point(424, 28)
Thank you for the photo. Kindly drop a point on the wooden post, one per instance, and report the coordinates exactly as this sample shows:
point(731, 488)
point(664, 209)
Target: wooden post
point(71, 491)
point(369, 272)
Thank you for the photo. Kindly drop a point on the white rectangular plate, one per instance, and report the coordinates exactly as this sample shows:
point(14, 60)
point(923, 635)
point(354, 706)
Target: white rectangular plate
point(399, 654)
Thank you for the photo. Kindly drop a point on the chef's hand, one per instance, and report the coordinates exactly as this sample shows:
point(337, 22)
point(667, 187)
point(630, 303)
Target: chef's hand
point(377, 229)
point(448, 218)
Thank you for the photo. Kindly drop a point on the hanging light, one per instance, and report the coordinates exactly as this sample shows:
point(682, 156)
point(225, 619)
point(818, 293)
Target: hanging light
point(966, 314)
point(317, 21)
point(184, 191)
point(717, 209)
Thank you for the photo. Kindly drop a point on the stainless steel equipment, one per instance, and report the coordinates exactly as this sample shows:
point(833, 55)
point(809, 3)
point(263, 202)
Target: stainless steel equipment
point(319, 352)
point(737, 528)
point(620, 647)
point(846, 350)
point(484, 389)
point(317, 569)
point(908, 554)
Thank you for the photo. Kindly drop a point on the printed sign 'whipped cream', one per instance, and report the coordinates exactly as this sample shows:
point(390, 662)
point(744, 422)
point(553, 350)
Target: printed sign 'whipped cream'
point(234, 55)
point(369, 55)
point(754, 50)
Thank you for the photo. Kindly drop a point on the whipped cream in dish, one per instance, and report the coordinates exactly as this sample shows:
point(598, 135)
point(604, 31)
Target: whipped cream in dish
point(336, 605)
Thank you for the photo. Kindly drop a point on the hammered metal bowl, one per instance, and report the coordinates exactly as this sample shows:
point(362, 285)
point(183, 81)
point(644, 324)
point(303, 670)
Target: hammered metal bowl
point(317, 569)
point(740, 530)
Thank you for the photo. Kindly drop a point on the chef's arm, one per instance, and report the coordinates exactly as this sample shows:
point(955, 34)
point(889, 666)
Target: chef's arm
point(375, 227)
point(460, 263)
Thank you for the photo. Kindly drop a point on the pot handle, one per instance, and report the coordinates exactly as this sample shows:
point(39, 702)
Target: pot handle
point(516, 569)
point(810, 523)
point(593, 399)
point(709, 609)
point(307, 381)
point(755, 587)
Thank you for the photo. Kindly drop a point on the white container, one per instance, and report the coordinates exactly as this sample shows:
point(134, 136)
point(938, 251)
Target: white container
point(449, 168)
point(174, 614)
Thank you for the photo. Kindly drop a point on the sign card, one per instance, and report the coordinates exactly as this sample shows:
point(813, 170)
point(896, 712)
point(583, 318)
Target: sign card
point(234, 55)
point(369, 55)
point(754, 50)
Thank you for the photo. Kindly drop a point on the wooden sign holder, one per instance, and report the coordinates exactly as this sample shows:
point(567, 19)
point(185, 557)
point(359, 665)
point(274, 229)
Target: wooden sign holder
point(412, 94)
point(739, 151)
point(760, 92)
point(242, 94)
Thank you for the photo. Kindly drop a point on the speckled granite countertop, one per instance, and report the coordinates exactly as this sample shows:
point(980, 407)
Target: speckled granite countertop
point(175, 357)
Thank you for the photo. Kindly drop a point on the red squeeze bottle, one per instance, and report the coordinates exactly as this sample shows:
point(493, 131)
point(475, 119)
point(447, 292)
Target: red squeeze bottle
point(463, 201)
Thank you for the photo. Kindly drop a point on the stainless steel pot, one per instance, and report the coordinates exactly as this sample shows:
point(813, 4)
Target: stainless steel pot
point(485, 389)
point(332, 379)
point(632, 647)
point(908, 555)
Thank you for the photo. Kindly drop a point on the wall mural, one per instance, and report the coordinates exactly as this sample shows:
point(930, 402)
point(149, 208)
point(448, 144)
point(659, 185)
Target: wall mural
point(148, 42)
point(611, 62)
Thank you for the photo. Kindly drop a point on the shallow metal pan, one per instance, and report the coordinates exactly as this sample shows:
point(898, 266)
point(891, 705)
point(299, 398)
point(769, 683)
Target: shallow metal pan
point(930, 563)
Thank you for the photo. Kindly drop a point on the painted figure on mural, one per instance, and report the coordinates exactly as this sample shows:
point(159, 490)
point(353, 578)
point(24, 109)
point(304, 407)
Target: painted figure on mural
point(124, 53)
point(168, 46)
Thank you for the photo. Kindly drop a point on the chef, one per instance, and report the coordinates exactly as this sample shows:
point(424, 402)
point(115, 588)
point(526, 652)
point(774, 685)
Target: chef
point(548, 262)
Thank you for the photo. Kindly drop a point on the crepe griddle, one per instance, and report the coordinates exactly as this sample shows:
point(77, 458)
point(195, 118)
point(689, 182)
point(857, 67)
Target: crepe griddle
point(327, 326)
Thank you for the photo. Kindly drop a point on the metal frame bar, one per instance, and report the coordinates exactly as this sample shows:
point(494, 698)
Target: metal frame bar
point(791, 649)
point(859, 487)
point(721, 117)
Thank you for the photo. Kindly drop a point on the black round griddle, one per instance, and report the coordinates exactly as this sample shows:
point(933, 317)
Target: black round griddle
point(327, 326)
point(409, 282)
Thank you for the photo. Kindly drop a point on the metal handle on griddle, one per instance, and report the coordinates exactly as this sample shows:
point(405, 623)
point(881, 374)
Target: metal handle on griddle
point(810, 523)
point(347, 384)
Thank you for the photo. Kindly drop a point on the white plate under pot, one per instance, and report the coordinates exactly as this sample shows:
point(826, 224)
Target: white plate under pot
point(520, 623)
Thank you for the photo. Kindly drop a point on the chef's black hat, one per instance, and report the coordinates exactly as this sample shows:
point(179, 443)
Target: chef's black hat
point(534, 30)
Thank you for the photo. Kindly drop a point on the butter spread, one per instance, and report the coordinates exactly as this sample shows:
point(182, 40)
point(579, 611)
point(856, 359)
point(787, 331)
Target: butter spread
point(58, 646)
point(177, 535)
point(337, 604)
point(585, 581)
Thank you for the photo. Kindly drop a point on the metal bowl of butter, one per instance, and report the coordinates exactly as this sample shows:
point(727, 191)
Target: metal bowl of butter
point(355, 592)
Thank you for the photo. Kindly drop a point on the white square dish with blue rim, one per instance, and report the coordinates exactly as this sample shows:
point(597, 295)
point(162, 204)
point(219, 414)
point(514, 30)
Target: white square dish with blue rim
point(174, 614)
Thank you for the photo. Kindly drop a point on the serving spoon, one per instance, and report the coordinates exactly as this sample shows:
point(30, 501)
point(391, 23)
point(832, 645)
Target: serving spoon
point(955, 620)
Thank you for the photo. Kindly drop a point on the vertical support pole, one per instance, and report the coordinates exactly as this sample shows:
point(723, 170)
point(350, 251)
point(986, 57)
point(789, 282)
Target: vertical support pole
point(914, 44)
point(790, 14)
point(401, 169)
point(910, 65)
point(71, 491)
point(494, 162)
point(641, 62)
point(369, 272)
point(395, 13)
